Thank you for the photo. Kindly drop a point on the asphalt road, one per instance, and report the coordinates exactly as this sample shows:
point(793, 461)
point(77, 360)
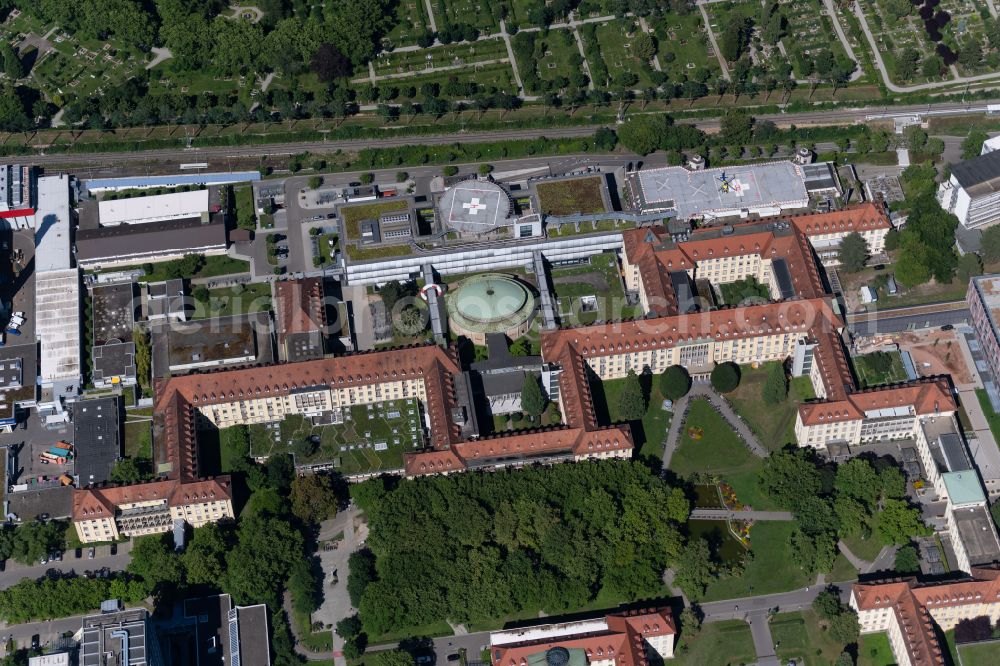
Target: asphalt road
point(888, 321)
point(97, 160)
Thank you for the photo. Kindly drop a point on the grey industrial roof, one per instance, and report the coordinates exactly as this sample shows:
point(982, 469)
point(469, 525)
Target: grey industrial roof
point(178, 235)
point(975, 528)
point(114, 360)
point(819, 177)
point(783, 276)
point(304, 346)
point(681, 283)
point(57, 323)
point(101, 639)
point(981, 173)
point(502, 383)
point(113, 307)
point(217, 178)
point(953, 449)
point(52, 224)
point(96, 438)
point(697, 193)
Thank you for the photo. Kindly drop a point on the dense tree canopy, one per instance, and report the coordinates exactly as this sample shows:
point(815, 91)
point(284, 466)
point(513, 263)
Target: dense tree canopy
point(725, 377)
point(853, 252)
point(481, 546)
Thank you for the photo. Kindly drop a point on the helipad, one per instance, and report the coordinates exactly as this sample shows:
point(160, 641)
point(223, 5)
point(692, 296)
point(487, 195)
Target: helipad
point(764, 189)
point(475, 207)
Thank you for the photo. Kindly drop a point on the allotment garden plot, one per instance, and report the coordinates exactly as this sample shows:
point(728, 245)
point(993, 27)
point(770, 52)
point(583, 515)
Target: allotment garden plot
point(683, 45)
point(356, 439)
point(64, 66)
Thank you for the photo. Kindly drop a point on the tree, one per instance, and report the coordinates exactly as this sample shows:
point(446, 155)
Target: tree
point(315, 182)
point(827, 603)
point(305, 584)
point(734, 38)
point(126, 472)
point(675, 382)
point(789, 478)
point(485, 169)
point(853, 252)
point(844, 628)
point(153, 559)
point(990, 244)
point(349, 627)
point(449, 170)
point(313, 498)
point(532, 399)
point(367, 178)
point(969, 266)
point(907, 560)
point(898, 522)
point(644, 46)
point(892, 483)
point(695, 568)
point(361, 568)
point(204, 557)
point(12, 66)
point(258, 565)
point(776, 385)
point(642, 134)
point(330, 64)
point(725, 377)
point(632, 401)
point(31, 541)
point(736, 127)
point(844, 659)
point(393, 658)
point(857, 479)
point(972, 145)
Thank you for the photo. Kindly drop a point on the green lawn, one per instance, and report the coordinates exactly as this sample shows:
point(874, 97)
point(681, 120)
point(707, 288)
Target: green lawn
point(870, 374)
point(351, 445)
point(138, 439)
point(979, 654)
point(570, 287)
point(719, 644)
point(246, 211)
point(799, 636)
point(991, 417)
point(774, 425)
point(874, 650)
point(244, 299)
point(563, 197)
point(215, 266)
point(650, 437)
point(720, 453)
point(353, 215)
point(771, 569)
point(866, 549)
point(842, 571)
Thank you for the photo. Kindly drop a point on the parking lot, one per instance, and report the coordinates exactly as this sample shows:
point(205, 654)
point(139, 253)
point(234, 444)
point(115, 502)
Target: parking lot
point(18, 284)
point(29, 440)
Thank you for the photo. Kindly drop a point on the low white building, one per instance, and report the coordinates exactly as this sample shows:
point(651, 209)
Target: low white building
point(158, 208)
point(972, 193)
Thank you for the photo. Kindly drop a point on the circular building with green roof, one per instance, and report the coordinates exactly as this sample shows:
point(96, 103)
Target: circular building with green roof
point(490, 303)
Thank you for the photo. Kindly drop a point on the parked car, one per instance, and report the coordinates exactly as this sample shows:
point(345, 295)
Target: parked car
point(453, 656)
point(948, 327)
point(114, 549)
point(90, 553)
point(78, 553)
point(35, 641)
point(56, 556)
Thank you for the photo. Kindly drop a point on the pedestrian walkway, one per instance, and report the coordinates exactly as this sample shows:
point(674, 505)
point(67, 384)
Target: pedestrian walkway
point(724, 514)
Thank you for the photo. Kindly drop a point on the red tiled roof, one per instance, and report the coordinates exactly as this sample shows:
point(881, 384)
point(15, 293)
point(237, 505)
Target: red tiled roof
point(926, 396)
point(623, 642)
point(911, 603)
point(665, 332)
point(178, 397)
point(298, 306)
point(94, 503)
point(861, 217)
